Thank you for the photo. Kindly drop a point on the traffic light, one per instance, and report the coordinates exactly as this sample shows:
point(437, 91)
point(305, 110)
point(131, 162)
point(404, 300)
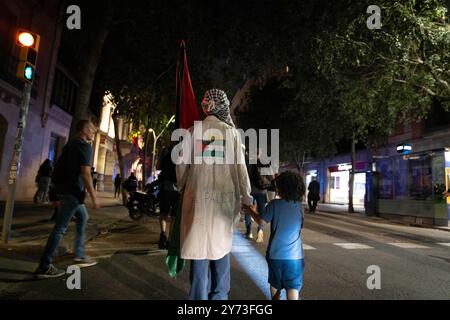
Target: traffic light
point(29, 48)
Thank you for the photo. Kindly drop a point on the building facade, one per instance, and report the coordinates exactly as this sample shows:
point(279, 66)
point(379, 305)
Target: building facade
point(105, 160)
point(48, 123)
point(406, 185)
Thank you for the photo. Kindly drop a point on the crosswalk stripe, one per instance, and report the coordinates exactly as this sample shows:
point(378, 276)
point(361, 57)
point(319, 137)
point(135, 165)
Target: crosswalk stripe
point(406, 245)
point(351, 246)
point(308, 247)
point(447, 244)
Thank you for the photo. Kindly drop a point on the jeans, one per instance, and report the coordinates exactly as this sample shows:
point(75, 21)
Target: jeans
point(260, 199)
point(68, 207)
point(117, 191)
point(210, 279)
point(43, 187)
point(312, 203)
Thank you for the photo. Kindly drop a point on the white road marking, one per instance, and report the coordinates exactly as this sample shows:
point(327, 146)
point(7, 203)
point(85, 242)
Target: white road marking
point(447, 244)
point(406, 245)
point(352, 246)
point(308, 247)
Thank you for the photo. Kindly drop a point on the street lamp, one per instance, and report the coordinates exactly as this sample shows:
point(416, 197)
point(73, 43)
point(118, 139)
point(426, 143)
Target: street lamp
point(155, 140)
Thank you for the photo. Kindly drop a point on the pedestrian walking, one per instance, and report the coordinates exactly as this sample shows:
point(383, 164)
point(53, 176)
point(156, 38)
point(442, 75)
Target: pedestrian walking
point(117, 184)
point(284, 253)
point(43, 180)
point(168, 193)
point(71, 177)
point(212, 194)
point(260, 184)
point(313, 195)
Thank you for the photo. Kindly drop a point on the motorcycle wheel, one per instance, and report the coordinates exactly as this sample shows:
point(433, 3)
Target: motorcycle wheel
point(134, 212)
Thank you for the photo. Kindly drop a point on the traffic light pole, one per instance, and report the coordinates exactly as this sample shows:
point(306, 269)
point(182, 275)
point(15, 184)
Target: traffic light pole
point(15, 163)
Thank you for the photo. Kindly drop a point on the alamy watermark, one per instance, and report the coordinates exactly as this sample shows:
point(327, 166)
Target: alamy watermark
point(374, 280)
point(212, 146)
point(374, 21)
point(74, 280)
point(74, 20)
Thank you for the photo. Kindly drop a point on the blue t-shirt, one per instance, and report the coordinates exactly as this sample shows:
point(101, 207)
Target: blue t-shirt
point(286, 220)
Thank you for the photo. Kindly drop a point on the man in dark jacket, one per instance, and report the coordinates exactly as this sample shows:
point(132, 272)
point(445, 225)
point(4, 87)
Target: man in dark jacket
point(313, 195)
point(72, 176)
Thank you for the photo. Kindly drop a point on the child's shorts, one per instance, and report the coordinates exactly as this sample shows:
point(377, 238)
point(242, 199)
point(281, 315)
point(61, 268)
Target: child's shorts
point(286, 274)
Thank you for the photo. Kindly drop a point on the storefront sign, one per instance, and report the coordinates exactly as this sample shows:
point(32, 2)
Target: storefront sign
point(404, 148)
point(359, 166)
point(344, 167)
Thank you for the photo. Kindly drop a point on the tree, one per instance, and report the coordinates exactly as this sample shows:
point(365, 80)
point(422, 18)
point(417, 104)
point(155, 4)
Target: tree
point(94, 39)
point(309, 124)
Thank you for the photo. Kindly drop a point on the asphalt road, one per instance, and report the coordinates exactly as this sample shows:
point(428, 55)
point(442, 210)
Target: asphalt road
point(414, 264)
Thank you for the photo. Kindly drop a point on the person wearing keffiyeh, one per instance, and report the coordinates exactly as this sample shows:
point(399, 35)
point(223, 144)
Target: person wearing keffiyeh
point(216, 103)
point(212, 197)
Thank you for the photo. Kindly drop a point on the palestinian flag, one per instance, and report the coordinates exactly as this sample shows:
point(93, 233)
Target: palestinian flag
point(186, 107)
point(186, 113)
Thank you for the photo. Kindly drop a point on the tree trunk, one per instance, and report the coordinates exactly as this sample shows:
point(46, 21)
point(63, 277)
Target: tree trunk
point(352, 175)
point(303, 164)
point(119, 156)
point(144, 166)
point(90, 64)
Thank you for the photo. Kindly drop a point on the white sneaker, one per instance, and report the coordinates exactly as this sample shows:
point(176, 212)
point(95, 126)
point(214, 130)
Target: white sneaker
point(85, 262)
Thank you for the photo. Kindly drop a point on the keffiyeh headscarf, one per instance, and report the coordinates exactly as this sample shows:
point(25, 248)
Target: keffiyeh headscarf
point(220, 106)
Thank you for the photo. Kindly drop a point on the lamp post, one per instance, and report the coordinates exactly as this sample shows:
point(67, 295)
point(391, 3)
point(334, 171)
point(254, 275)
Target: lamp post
point(155, 140)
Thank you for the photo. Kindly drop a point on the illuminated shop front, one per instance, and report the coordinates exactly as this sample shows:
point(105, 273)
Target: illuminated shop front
point(339, 181)
point(412, 185)
point(333, 176)
point(105, 159)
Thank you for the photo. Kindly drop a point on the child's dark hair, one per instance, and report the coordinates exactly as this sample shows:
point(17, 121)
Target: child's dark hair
point(291, 186)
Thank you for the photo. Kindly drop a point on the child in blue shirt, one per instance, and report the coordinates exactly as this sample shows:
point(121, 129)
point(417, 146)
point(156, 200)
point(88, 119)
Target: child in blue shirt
point(284, 253)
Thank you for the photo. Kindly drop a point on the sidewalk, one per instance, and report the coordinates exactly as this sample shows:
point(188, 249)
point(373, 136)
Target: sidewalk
point(31, 226)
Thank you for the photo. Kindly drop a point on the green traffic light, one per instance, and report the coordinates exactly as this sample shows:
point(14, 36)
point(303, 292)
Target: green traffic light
point(28, 73)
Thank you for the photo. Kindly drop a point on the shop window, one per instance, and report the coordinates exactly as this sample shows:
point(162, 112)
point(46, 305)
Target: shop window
point(438, 169)
point(401, 180)
point(420, 177)
point(386, 179)
point(335, 182)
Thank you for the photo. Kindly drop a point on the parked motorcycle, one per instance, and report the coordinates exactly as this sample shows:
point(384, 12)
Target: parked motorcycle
point(143, 203)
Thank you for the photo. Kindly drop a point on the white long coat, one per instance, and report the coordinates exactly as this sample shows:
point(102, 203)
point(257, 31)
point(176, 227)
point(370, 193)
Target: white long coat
point(213, 192)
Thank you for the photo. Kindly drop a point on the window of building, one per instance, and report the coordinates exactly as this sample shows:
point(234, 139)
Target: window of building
point(64, 91)
point(55, 147)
